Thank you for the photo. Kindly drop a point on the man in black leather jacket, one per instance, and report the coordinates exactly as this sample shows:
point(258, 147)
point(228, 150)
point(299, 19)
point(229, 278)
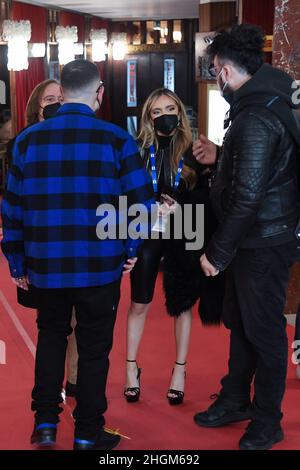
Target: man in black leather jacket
point(255, 197)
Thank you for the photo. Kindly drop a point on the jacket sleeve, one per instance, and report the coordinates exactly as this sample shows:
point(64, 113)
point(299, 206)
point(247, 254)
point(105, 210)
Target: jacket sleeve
point(12, 216)
point(253, 148)
point(137, 188)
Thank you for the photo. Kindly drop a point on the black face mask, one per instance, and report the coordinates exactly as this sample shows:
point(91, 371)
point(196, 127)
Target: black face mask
point(166, 123)
point(50, 110)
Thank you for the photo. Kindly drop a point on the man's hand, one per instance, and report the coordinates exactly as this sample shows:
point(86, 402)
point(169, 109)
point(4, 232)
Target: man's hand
point(205, 151)
point(129, 265)
point(207, 267)
point(21, 282)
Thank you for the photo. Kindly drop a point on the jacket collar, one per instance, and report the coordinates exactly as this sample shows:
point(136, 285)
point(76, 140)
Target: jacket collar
point(71, 108)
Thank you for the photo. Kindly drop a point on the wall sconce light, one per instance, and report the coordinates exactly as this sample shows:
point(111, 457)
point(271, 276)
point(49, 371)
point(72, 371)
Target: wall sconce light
point(164, 32)
point(78, 48)
point(177, 36)
point(99, 44)
point(66, 38)
point(17, 34)
point(119, 42)
point(36, 49)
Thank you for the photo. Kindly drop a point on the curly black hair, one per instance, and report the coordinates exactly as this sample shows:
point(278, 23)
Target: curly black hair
point(242, 45)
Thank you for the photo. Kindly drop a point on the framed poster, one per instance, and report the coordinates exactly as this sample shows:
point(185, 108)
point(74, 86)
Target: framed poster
point(202, 60)
point(131, 83)
point(169, 74)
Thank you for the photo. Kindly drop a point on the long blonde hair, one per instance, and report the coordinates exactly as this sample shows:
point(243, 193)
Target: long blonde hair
point(181, 140)
point(33, 104)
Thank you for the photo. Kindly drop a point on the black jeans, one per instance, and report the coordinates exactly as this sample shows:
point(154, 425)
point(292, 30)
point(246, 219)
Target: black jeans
point(253, 310)
point(96, 309)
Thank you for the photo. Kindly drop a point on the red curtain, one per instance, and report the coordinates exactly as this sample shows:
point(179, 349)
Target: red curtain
point(37, 17)
point(260, 13)
point(68, 18)
point(97, 23)
point(26, 80)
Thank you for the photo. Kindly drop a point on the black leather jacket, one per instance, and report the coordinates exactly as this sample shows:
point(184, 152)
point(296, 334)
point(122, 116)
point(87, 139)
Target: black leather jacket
point(255, 190)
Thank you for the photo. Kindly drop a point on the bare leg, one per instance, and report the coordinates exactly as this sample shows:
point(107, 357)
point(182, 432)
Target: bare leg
point(183, 325)
point(135, 327)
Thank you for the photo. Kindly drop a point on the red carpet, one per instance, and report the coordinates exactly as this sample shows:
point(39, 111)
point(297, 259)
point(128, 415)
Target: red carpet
point(152, 423)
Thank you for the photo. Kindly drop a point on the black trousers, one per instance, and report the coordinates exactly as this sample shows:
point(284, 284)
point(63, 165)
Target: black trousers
point(253, 311)
point(96, 309)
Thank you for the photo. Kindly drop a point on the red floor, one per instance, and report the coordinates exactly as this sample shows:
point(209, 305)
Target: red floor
point(152, 423)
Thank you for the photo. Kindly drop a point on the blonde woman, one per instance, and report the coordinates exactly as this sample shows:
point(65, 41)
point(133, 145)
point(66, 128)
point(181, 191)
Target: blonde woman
point(165, 141)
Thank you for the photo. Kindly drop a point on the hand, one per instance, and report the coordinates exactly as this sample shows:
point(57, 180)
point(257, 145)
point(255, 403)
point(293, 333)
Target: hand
point(21, 282)
point(168, 205)
point(205, 151)
point(207, 267)
point(129, 265)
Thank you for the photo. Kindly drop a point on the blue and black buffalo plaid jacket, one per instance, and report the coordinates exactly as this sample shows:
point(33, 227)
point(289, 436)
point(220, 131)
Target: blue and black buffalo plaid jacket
point(63, 169)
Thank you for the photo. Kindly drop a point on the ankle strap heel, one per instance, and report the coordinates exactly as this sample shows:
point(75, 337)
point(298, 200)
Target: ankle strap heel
point(134, 392)
point(178, 395)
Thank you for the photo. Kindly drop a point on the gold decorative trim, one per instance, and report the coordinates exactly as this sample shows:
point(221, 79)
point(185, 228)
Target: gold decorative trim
point(134, 49)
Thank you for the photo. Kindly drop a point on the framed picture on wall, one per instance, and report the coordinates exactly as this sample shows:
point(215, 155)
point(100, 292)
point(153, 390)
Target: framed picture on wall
point(202, 61)
point(2, 92)
point(131, 83)
point(169, 74)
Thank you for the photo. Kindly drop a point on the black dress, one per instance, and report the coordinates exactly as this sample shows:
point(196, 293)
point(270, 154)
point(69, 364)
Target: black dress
point(183, 280)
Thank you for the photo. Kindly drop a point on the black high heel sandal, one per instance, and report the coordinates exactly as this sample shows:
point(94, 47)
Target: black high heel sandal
point(178, 399)
point(136, 391)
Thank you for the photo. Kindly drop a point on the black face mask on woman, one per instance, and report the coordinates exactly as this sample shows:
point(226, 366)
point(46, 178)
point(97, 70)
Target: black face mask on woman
point(166, 123)
point(50, 110)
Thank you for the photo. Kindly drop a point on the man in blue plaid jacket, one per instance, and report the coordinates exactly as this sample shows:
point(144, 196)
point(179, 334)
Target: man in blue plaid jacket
point(63, 169)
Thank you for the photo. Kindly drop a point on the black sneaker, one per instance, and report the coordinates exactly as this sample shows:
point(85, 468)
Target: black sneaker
point(44, 434)
point(70, 389)
point(223, 412)
point(259, 436)
point(104, 441)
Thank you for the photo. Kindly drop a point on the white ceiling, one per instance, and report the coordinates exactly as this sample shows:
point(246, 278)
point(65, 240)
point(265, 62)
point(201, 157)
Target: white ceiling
point(128, 9)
